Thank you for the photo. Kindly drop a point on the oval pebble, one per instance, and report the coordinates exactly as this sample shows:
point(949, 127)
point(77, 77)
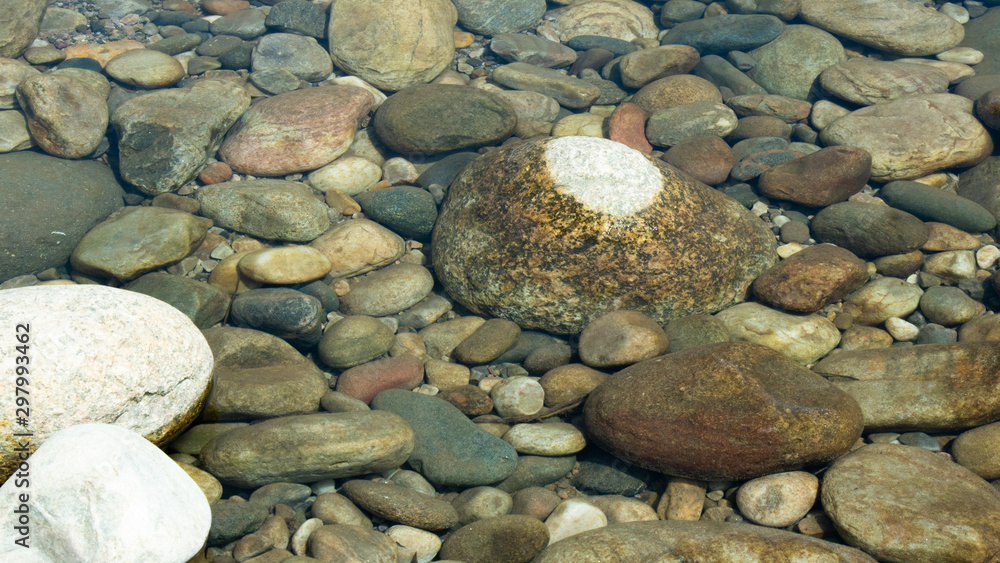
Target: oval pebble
point(518, 396)
point(778, 500)
point(548, 439)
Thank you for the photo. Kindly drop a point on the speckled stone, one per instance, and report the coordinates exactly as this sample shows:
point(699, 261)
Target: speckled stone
point(812, 278)
point(867, 82)
point(550, 253)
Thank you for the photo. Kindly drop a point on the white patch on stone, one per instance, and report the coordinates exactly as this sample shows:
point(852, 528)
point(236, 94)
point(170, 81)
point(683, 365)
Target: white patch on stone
point(603, 175)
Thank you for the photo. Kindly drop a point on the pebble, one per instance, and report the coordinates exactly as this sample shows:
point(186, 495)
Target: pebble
point(568, 91)
point(407, 210)
point(572, 517)
point(74, 135)
point(548, 439)
point(357, 246)
point(867, 82)
point(424, 544)
point(354, 340)
point(145, 68)
point(934, 204)
point(510, 537)
point(401, 505)
point(722, 34)
point(349, 174)
point(708, 159)
point(269, 209)
point(975, 450)
point(328, 543)
point(488, 342)
point(569, 382)
point(518, 396)
point(803, 339)
point(868, 229)
point(796, 284)
point(621, 338)
point(778, 500)
point(284, 265)
point(683, 499)
point(901, 330)
point(672, 126)
point(881, 299)
point(387, 291)
point(283, 312)
point(827, 176)
point(948, 306)
point(334, 508)
point(953, 264)
point(365, 381)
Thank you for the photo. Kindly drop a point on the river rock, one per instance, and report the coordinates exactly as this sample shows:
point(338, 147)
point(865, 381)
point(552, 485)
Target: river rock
point(450, 449)
point(867, 82)
point(812, 278)
point(300, 55)
point(790, 64)
point(19, 24)
point(673, 91)
point(881, 299)
point(934, 204)
point(145, 68)
point(618, 19)
point(203, 303)
point(105, 468)
point(869, 229)
point(554, 255)
point(620, 338)
point(802, 338)
point(396, 46)
point(531, 49)
point(269, 209)
point(346, 542)
point(568, 91)
point(153, 386)
point(494, 17)
point(165, 137)
point(914, 136)
point(827, 176)
point(327, 445)
point(897, 26)
point(297, 131)
point(901, 503)
point(290, 315)
point(354, 340)
point(50, 204)
point(387, 291)
point(62, 133)
point(653, 414)
point(974, 450)
point(646, 65)
point(778, 500)
point(673, 126)
point(728, 32)
point(514, 537)
point(402, 505)
point(358, 246)
point(12, 73)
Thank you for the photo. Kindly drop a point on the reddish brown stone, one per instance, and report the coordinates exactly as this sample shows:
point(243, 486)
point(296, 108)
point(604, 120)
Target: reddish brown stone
point(627, 125)
point(707, 159)
point(676, 90)
point(215, 173)
point(727, 411)
point(224, 7)
point(786, 109)
point(825, 177)
point(469, 399)
point(367, 380)
point(811, 278)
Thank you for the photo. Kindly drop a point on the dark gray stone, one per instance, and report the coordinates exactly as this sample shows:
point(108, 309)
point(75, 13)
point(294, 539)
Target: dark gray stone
point(245, 24)
point(176, 44)
point(203, 303)
point(934, 204)
point(619, 47)
point(231, 520)
point(729, 32)
point(286, 313)
point(490, 17)
point(869, 230)
point(406, 210)
point(720, 72)
point(606, 475)
point(537, 471)
point(444, 171)
point(298, 16)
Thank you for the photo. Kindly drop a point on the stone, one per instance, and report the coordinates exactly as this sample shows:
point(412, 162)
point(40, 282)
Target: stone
point(948, 135)
point(407, 210)
point(621, 338)
point(827, 176)
point(488, 342)
point(284, 265)
point(245, 24)
point(354, 340)
point(678, 11)
point(225, 7)
point(402, 505)
point(514, 537)
point(51, 204)
point(896, 26)
point(672, 126)
point(495, 17)
point(569, 383)
point(976, 451)
point(387, 291)
point(333, 508)
point(681, 541)
point(344, 542)
point(812, 278)
point(786, 109)
point(802, 338)
point(952, 265)
point(867, 82)
point(868, 229)
point(269, 209)
point(358, 246)
point(165, 137)
point(719, 70)
point(137, 240)
point(256, 455)
point(300, 55)
point(110, 467)
point(560, 254)
point(627, 125)
point(203, 303)
point(365, 381)
point(152, 386)
point(673, 91)
point(931, 387)
point(728, 32)
point(568, 91)
point(789, 65)
point(948, 306)
point(818, 422)
point(145, 68)
point(303, 18)
point(881, 299)
point(13, 73)
point(646, 65)
point(19, 25)
point(618, 19)
point(934, 204)
point(401, 44)
point(903, 503)
point(74, 134)
point(683, 499)
point(176, 44)
point(778, 500)
point(297, 131)
point(288, 314)
point(425, 544)
point(531, 49)
point(450, 449)
point(349, 174)
point(548, 439)
point(479, 503)
point(518, 396)
point(708, 159)
point(572, 517)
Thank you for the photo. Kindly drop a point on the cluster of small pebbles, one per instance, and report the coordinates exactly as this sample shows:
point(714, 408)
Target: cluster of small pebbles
point(503, 280)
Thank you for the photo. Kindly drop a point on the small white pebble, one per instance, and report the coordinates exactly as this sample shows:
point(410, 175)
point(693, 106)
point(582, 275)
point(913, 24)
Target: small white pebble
point(759, 208)
point(780, 220)
point(955, 12)
point(987, 256)
point(789, 249)
point(964, 55)
point(901, 331)
point(427, 390)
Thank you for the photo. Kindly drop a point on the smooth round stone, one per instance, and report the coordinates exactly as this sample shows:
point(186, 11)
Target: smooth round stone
point(802, 338)
point(896, 26)
point(531, 49)
point(646, 65)
point(203, 303)
point(936, 334)
point(354, 340)
point(387, 291)
point(584, 124)
point(334, 508)
point(358, 246)
point(693, 541)
point(953, 265)
point(604, 474)
point(637, 414)
point(536, 502)
point(914, 136)
point(288, 314)
point(901, 330)
point(691, 331)
point(12, 73)
point(145, 68)
point(899, 265)
point(402, 505)
point(275, 81)
point(882, 299)
point(547, 358)
point(901, 503)
point(568, 205)
point(349, 174)
point(934, 204)
point(759, 126)
point(210, 486)
point(568, 91)
point(608, 18)
point(153, 386)
point(453, 381)
point(708, 159)
point(450, 449)
point(407, 210)
point(867, 82)
point(672, 126)
point(548, 439)
point(932, 387)
point(479, 503)
point(620, 509)
point(673, 91)
point(289, 494)
point(678, 11)
point(365, 381)
point(442, 338)
point(284, 265)
point(332, 401)
point(518, 396)
point(62, 133)
point(869, 230)
point(728, 32)
point(136, 241)
point(431, 118)
point(488, 342)
point(621, 338)
point(617, 47)
point(269, 209)
point(976, 450)
point(948, 306)
point(195, 438)
point(425, 544)
point(790, 64)
point(504, 538)
point(778, 500)
point(827, 176)
point(984, 327)
point(572, 517)
point(529, 106)
point(860, 337)
point(302, 56)
point(569, 383)
point(245, 24)
point(786, 109)
point(811, 279)
point(329, 543)
point(176, 44)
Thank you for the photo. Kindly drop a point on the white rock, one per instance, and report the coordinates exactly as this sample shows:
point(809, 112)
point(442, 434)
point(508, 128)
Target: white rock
point(987, 256)
point(964, 55)
point(901, 330)
point(350, 174)
point(425, 544)
point(787, 250)
point(573, 516)
point(955, 11)
point(881, 299)
point(778, 500)
point(953, 264)
point(619, 509)
point(518, 396)
point(803, 338)
point(548, 439)
point(99, 354)
point(300, 539)
point(98, 492)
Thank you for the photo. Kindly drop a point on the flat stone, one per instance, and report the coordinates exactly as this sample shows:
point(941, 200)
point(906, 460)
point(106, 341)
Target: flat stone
point(203, 303)
point(511, 537)
point(882, 299)
point(245, 24)
point(728, 32)
point(802, 338)
point(708, 159)
point(358, 246)
point(298, 16)
point(620, 338)
point(488, 342)
point(365, 381)
point(344, 541)
point(269, 209)
point(288, 314)
point(618, 19)
point(354, 340)
point(867, 82)
point(784, 108)
point(646, 65)
point(568, 91)
point(531, 49)
point(673, 91)
point(868, 229)
point(973, 450)
point(548, 439)
point(778, 500)
point(672, 126)
point(402, 505)
point(387, 291)
point(145, 68)
point(789, 65)
point(300, 55)
point(934, 204)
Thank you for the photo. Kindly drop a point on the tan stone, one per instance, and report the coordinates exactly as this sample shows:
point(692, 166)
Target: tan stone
point(102, 52)
point(19, 24)
point(358, 246)
point(59, 131)
point(12, 73)
point(621, 19)
point(284, 265)
point(145, 68)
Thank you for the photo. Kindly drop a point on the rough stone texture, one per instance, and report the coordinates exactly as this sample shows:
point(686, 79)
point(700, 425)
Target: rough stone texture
point(901, 503)
point(897, 26)
point(867, 81)
point(802, 338)
point(392, 44)
point(811, 278)
point(165, 137)
point(327, 446)
point(66, 117)
point(536, 249)
point(19, 23)
point(492, 17)
point(49, 205)
point(567, 90)
point(619, 19)
point(677, 540)
point(932, 387)
point(270, 209)
point(89, 474)
point(297, 131)
point(914, 136)
point(513, 538)
point(827, 176)
point(727, 411)
point(150, 385)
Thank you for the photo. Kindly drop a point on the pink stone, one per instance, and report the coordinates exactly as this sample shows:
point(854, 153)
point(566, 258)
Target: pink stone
point(627, 125)
point(367, 380)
